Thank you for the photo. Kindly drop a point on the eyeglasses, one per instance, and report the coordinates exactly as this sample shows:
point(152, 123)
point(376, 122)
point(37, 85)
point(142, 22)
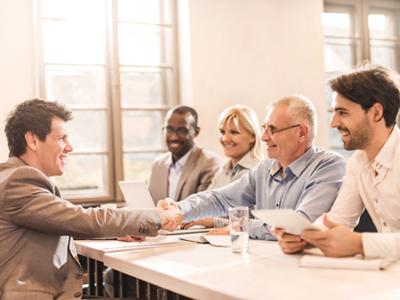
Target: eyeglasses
point(272, 131)
point(181, 131)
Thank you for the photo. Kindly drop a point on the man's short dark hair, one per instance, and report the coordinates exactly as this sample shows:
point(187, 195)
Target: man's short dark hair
point(371, 84)
point(34, 115)
point(183, 110)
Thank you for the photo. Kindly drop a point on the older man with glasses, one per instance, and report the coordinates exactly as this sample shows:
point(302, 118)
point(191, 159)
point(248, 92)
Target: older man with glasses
point(296, 175)
point(186, 169)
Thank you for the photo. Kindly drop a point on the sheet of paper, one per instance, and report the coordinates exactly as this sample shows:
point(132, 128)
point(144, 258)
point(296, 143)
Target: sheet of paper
point(215, 240)
point(355, 262)
point(114, 245)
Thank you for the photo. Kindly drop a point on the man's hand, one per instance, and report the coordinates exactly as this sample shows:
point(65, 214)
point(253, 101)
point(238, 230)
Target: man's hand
point(337, 241)
point(220, 231)
point(170, 214)
point(132, 239)
point(166, 203)
point(208, 223)
point(289, 243)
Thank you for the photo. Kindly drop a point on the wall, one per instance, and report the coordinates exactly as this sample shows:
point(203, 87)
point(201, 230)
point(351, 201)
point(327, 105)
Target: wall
point(16, 59)
point(232, 51)
point(250, 52)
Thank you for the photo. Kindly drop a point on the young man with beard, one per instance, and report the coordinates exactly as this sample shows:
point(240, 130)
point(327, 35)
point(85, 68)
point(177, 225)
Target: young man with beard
point(186, 169)
point(365, 103)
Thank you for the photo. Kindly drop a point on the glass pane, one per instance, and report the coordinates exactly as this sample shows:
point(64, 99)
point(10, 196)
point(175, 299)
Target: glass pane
point(143, 86)
point(137, 166)
point(139, 44)
point(142, 130)
point(88, 131)
point(338, 55)
point(77, 86)
point(80, 42)
point(383, 55)
point(336, 24)
point(83, 172)
point(381, 26)
point(139, 11)
point(72, 9)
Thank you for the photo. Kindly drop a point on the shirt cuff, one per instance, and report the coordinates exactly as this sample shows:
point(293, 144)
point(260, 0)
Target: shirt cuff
point(157, 218)
point(260, 231)
point(381, 244)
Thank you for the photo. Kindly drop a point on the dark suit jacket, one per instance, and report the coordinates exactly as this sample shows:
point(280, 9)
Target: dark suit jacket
point(196, 174)
point(37, 255)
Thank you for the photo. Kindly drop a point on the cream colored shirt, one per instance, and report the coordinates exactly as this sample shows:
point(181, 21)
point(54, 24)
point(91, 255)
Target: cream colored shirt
point(374, 185)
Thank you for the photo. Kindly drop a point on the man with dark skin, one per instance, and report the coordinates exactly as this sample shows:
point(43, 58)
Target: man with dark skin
point(186, 168)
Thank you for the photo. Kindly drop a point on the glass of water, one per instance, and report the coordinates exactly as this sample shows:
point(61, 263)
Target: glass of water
point(239, 226)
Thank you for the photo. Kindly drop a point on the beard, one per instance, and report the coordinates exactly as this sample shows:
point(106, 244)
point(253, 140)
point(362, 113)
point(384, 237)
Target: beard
point(360, 136)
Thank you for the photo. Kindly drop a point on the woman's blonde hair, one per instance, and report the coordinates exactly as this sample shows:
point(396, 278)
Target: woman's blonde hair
point(245, 116)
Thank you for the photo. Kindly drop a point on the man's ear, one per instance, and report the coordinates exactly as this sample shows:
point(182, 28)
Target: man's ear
point(377, 112)
point(197, 131)
point(303, 132)
point(31, 140)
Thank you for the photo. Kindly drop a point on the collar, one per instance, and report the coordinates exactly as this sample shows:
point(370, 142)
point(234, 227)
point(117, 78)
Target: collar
point(16, 161)
point(182, 161)
point(246, 162)
point(385, 156)
point(296, 167)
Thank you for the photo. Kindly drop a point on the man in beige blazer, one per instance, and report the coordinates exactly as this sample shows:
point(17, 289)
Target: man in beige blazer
point(186, 169)
point(38, 259)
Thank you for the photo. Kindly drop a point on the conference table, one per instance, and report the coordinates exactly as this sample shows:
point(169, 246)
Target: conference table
point(203, 271)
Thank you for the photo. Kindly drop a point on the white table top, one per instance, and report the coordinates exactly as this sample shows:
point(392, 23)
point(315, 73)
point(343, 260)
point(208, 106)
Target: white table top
point(208, 272)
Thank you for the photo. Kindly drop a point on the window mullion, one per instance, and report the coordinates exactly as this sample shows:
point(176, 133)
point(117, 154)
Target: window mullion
point(115, 96)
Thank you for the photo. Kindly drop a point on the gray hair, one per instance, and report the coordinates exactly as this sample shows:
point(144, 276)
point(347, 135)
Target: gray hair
point(300, 110)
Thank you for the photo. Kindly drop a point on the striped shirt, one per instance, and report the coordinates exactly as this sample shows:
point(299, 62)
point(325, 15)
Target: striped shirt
point(227, 174)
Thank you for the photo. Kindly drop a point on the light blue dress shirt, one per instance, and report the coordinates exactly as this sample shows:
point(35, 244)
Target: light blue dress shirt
point(310, 188)
point(175, 172)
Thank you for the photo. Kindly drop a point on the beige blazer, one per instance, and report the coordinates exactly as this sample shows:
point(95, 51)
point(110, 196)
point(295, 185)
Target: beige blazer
point(196, 174)
point(37, 255)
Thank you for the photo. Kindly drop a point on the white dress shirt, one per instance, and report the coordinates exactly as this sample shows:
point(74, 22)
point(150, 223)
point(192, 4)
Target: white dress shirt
point(373, 185)
point(175, 172)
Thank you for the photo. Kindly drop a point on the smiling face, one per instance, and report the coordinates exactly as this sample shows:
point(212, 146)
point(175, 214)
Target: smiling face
point(352, 123)
point(51, 154)
point(179, 145)
point(236, 141)
point(285, 145)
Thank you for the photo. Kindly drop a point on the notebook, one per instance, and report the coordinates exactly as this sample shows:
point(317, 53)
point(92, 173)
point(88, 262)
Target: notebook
point(137, 195)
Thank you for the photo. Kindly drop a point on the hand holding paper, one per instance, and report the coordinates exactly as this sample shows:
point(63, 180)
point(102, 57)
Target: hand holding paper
point(337, 241)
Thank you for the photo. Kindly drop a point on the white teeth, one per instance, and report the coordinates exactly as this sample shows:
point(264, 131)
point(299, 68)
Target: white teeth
point(344, 133)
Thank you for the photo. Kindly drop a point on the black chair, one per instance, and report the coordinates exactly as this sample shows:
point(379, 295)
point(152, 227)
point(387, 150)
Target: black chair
point(365, 224)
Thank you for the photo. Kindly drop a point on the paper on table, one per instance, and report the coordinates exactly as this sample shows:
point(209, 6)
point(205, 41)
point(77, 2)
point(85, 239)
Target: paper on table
point(355, 262)
point(215, 240)
point(113, 245)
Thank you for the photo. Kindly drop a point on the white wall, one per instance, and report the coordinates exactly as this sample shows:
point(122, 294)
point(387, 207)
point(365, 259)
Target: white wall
point(232, 51)
point(16, 59)
point(251, 52)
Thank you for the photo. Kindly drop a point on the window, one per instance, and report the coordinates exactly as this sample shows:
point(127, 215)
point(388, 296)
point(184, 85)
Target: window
point(112, 62)
point(355, 31)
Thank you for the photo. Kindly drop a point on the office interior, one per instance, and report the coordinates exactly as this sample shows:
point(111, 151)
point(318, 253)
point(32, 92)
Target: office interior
point(225, 52)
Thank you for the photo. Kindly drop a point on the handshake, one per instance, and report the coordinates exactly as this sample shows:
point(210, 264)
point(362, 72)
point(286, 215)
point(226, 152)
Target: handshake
point(170, 214)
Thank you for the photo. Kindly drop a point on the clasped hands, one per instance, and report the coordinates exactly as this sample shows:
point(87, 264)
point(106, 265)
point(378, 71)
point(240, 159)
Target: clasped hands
point(170, 214)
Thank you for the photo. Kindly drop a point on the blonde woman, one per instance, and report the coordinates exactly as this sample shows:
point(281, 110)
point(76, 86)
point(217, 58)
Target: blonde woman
point(240, 137)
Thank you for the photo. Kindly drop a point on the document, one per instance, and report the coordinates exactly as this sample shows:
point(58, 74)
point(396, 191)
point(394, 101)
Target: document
point(215, 240)
point(354, 262)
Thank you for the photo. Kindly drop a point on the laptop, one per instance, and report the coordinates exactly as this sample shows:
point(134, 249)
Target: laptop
point(137, 195)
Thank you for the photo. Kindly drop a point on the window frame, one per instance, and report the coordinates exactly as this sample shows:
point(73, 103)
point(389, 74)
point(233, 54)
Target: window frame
point(112, 87)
